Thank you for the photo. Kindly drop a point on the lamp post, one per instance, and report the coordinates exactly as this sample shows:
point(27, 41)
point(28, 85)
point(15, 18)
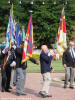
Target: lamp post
point(20, 2)
point(30, 12)
point(54, 2)
point(43, 2)
point(10, 1)
point(31, 6)
point(66, 2)
point(31, 1)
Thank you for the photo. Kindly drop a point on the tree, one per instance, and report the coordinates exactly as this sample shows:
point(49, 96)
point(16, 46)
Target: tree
point(46, 17)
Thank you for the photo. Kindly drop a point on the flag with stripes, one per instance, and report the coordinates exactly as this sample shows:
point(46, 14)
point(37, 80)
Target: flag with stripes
point(18, 35)
point(10, 30)
point(28, 43)
point(61, 43)
point(23, 33)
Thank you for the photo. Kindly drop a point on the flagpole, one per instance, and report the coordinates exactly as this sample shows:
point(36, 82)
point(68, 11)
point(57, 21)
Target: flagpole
point(11, 23)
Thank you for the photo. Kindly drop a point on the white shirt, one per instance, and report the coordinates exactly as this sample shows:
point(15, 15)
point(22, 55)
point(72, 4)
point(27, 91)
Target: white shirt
point(72, 51)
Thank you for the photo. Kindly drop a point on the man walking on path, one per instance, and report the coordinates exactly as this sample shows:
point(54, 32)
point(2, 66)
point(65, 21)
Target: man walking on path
point(69, 64)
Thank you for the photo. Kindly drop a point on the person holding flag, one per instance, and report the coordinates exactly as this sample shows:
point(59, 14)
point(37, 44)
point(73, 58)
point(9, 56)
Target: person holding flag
point(21, 69)
point(6, 59)
point(24, 53)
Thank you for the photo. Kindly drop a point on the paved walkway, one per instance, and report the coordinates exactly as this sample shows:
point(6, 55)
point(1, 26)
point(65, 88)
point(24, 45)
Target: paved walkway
point(33, 85)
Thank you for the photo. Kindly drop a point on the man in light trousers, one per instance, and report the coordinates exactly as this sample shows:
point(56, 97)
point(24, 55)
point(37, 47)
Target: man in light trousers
point(45, 62)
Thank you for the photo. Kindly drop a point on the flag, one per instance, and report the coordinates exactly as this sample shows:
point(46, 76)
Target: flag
point(61, 43)
point(28, 43)
point(11, 27)
point(23, 33)
point(10, 30)
point(18, 35)
point(8, 35)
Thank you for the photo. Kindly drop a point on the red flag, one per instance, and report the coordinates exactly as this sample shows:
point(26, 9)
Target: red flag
point(28, 44)
point(61, 35)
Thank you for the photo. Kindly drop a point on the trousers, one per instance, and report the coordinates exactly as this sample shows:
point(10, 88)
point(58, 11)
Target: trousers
point(46, 82)
point(69, 74)
point(6, 76)
point(21, 79)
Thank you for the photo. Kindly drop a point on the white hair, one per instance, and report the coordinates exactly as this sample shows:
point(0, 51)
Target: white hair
point(71, 43)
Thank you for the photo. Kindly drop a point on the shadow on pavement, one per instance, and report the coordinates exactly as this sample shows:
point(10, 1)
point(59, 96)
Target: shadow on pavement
point(31, 91)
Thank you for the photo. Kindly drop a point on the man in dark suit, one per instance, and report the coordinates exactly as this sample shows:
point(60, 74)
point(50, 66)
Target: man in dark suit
point(45, 62)
point(69, 64)
point(6, 60)
point(21, 70)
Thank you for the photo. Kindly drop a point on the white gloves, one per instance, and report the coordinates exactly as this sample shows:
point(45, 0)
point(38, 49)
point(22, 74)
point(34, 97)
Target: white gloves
point(51, 53)
point(3, 51)
point(13, 64)
point(14, 47)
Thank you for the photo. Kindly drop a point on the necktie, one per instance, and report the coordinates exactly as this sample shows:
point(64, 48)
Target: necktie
point(72, 54)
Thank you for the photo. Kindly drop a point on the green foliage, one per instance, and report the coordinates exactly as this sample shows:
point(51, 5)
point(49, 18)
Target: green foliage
point(36, 56)
point(46, 17)
point(57, 65)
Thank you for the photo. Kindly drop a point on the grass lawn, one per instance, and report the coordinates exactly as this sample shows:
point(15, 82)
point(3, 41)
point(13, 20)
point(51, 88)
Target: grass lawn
point(57, 65)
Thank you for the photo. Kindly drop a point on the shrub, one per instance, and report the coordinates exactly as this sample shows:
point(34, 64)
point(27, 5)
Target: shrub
point(36, 56)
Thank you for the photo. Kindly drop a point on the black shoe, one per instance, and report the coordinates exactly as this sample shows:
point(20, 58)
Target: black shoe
point(65, 86)
point(44, 95)
point(14, 84)
point(3, 90)
point(48, 95)
point(10, 87)
point(71, 87)
point(23, 94)
point(18, 94)
point(7, 90)
point(40, 92)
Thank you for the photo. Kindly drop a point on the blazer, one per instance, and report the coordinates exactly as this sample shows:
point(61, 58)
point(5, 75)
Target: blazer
point(8, 62)
point(18, 53)
point(67, 59)
point(45, 62)
point(2, 59)
point(11, 58)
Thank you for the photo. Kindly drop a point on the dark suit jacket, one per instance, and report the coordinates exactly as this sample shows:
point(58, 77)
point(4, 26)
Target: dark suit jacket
point(67, 59)
point(45, 62)
point(9, 61)
point(18, 53)
point(2, 59)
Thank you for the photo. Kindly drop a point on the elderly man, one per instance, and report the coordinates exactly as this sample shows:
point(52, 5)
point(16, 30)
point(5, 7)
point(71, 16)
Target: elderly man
point(69, 64)
point(45, 61)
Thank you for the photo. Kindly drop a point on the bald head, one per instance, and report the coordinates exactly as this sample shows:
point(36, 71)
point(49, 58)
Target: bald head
point(44, 48)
